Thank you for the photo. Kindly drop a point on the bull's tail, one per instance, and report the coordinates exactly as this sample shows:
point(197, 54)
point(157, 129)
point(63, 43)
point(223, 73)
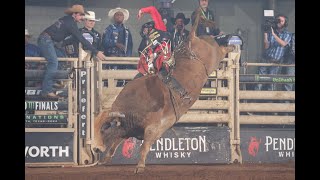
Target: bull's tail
point(195, 26)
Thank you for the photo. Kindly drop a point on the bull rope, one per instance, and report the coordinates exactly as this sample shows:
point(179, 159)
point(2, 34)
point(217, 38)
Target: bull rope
point(182, 48)
point(174, 104)
point(195, 57)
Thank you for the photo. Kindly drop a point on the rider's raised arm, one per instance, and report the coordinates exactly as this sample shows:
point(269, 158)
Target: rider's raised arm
point(158, 23)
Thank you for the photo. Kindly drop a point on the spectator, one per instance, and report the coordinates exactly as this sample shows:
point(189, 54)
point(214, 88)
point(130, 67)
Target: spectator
point(275, 45)
point(30, 50)
point(71, 44)
point(117, 39)
point(179, 33)
point(206, 13)
point(290, 59)
point(57, 32)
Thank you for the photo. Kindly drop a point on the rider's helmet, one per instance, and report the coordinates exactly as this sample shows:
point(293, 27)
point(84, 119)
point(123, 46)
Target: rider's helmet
point(146, 29)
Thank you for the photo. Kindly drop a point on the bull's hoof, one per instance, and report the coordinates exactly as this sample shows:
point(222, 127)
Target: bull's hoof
point(139, 170)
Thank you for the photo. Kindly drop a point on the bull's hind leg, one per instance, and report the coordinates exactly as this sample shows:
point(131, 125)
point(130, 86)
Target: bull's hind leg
point(150, 135)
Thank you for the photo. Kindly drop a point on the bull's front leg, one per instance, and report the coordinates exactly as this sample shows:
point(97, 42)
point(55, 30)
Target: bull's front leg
point(111, 151)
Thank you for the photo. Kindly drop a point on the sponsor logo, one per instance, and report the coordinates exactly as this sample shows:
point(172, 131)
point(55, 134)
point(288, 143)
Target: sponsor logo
point(235, 40)
point(88, 37)
point(41, 105)
point(284, 80)
point(253, 147)
point(45, 118)
point(211, 91)
point(37, 92)
point(83, 103)
point(32, 92)
point(179, 147)
point(39, 117)
point(284, 147)
point(46, 151)
point(128, 147)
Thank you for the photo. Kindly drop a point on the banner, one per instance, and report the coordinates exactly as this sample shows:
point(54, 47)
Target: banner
point(180, 145)
point(267, 144)
point(35, 92)
point(47, 119)
point(46, 105)
point(48, 147)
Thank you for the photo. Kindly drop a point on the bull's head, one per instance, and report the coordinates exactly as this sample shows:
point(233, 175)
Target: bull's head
point(107, 125)
point(115, 116)
point(111, 131)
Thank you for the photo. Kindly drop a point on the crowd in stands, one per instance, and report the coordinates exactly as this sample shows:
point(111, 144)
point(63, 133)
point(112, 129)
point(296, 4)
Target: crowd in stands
point(62, 39)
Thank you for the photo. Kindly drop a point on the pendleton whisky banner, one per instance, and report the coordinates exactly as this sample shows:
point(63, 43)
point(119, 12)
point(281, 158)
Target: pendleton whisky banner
point(180, 145)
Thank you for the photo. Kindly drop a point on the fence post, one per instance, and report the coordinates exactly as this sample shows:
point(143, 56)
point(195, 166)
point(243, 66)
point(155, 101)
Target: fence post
point(234, 103)
point(86, 107)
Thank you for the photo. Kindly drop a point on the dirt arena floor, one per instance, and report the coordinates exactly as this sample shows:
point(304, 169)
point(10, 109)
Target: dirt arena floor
point(167, 172)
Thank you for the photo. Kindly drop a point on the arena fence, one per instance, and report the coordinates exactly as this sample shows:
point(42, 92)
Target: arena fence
point(92, 86)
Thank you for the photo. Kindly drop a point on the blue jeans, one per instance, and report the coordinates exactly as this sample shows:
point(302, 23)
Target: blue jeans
point(267, 70)
point(289, 71)
point(48, 51)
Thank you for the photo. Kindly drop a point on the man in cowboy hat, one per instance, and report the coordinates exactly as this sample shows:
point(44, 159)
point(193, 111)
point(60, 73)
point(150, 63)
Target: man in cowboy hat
point(88, 32)
point(206, 13)
point(57, 32)
point(117, 38)
point(30, 50)
point(179, 33)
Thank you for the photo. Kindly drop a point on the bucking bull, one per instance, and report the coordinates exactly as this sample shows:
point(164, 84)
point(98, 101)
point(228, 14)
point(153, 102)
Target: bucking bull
point(147, 107)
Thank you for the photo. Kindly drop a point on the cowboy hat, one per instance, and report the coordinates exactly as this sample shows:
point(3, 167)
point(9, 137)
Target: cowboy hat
point(91, 16)
point(75, 9)
point(124, 11)
point(27, 33)
point(180, 16)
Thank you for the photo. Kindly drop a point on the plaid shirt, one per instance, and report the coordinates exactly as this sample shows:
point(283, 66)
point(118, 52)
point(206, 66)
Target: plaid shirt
point(275, 50)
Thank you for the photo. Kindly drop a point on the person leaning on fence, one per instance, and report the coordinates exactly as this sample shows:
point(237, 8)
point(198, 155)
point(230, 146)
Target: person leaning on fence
point(206, 13)
point(30, 50)
point(179, 33)
point(71, 44)
point(275, 45)
point(63, 27)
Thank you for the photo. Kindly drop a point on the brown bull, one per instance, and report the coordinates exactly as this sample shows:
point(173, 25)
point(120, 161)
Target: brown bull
point(146, 107)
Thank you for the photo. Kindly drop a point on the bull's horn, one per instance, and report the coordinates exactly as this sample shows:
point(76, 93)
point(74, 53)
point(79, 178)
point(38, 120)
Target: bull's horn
point(116, 114)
